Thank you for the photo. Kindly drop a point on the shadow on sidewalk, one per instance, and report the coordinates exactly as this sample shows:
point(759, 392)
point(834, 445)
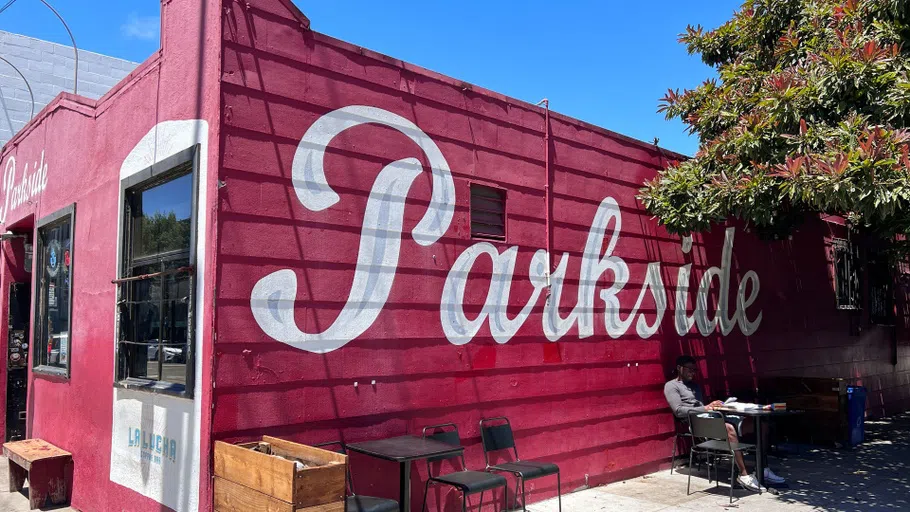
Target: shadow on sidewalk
point(873, 476)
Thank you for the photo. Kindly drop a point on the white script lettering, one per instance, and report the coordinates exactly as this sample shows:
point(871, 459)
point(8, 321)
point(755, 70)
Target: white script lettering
point(273, 297)
point(14, 194)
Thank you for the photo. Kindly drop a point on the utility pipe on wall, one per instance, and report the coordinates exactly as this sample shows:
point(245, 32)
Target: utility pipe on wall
point(547, 187)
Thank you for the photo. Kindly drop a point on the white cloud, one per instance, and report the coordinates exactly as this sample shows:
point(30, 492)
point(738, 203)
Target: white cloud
point(141, 27)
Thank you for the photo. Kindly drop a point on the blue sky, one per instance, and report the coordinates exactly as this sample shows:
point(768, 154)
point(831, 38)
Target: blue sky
point(606, 62)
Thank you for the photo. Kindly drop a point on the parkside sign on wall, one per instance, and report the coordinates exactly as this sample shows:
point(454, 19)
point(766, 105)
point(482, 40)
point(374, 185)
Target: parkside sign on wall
point(273, 297)
point(20, 188)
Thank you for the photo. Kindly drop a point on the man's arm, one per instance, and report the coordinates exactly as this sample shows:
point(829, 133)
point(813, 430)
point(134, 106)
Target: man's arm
point(671, 393)
point(700, 396)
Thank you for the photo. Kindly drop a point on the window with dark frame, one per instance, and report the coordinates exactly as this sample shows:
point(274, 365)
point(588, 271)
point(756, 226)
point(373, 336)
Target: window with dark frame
point(846, 274)
point(881, 291)
point(156, 287)
point(488, 212)
point(53, 293)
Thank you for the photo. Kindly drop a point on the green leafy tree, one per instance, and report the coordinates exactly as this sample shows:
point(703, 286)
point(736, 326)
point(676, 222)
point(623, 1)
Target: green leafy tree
point(809, 116)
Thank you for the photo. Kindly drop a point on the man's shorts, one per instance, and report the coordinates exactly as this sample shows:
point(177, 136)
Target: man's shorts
point(736, 421)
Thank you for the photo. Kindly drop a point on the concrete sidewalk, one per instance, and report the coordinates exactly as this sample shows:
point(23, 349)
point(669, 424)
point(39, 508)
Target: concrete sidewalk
point(872, 477)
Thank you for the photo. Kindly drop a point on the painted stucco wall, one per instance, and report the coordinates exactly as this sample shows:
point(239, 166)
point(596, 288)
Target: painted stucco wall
point(48, 67)
point(339, 188)
point(345, 209)
point(84, 147)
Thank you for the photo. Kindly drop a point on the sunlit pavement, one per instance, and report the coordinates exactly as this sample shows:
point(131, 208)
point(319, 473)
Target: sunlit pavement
point(871, 477)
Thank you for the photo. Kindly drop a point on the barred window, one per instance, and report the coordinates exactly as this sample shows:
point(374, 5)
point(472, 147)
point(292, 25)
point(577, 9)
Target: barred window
point(846, 274)
point(156, 286)
point(881, 292)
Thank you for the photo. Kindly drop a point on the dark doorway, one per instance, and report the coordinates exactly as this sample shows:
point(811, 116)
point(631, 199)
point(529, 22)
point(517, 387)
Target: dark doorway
point(17, 360)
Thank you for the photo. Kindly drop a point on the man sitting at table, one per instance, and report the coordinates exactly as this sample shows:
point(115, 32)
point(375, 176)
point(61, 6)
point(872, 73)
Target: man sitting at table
point(685, 395)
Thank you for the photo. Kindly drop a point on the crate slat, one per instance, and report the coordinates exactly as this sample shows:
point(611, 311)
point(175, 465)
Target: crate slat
point(269, 475)
point(252, 480)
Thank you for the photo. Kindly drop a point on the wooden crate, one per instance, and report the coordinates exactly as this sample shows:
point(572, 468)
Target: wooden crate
point(269, 480)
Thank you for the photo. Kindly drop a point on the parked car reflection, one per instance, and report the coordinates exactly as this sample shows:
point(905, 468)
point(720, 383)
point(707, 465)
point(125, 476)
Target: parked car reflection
point(172, 354)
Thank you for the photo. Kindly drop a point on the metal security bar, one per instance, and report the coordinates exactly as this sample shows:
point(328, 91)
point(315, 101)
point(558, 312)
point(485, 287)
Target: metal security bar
point(181, 270)
point(881, 290)
point(846, 274)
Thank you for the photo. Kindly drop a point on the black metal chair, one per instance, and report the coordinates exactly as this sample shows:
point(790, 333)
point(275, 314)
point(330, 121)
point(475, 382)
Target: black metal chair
point(496, 435)
point(684, 432)
point(712, 427)
point(681, 427)
point(467, 481)
point(355, 502)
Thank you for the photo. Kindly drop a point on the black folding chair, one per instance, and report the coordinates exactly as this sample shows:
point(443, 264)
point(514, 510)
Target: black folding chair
point(496, 435)
point(468, 482)
point(355, 502)
point(712, 427)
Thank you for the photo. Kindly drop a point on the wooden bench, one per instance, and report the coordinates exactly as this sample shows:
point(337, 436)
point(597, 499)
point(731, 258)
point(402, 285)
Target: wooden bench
point(48, 468)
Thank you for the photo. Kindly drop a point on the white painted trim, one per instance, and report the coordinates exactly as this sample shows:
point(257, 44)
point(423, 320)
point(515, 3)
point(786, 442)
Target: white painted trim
point(176, 487)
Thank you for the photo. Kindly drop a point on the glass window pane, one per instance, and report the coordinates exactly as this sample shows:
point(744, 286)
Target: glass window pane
point(55, 271)
point(174, 347)
point(155, 318)
point(162, 217)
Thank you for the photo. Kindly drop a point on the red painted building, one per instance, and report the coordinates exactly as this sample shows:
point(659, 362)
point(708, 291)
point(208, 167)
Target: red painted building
point(264, 230)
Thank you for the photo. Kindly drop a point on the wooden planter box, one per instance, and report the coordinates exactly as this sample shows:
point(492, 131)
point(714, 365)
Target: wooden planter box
point(264, 475)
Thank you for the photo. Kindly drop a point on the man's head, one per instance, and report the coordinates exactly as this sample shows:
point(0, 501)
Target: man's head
point(686, 368)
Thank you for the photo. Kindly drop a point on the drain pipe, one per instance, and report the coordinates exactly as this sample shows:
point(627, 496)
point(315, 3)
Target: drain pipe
point(547, 188)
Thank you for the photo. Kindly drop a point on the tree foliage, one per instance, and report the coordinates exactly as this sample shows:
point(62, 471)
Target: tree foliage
point(809, 115)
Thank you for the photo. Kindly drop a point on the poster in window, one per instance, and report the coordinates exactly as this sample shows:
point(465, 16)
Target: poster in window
point(66, 262)
point(53, 258)
point(51, 295)
point(64, 340)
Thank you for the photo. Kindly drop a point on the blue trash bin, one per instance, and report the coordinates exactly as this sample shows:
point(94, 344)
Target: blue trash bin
point(856, 415)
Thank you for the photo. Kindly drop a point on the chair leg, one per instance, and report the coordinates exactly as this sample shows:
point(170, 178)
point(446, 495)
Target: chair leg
point(673, 453)
point(524, 497)
point(732, 466)
point(716, 474)
point(464, 502)
point(689, 482)
point(559, 490)
point(481, 502)
point(517, 487)
point(505, 497)
point(426, 492)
